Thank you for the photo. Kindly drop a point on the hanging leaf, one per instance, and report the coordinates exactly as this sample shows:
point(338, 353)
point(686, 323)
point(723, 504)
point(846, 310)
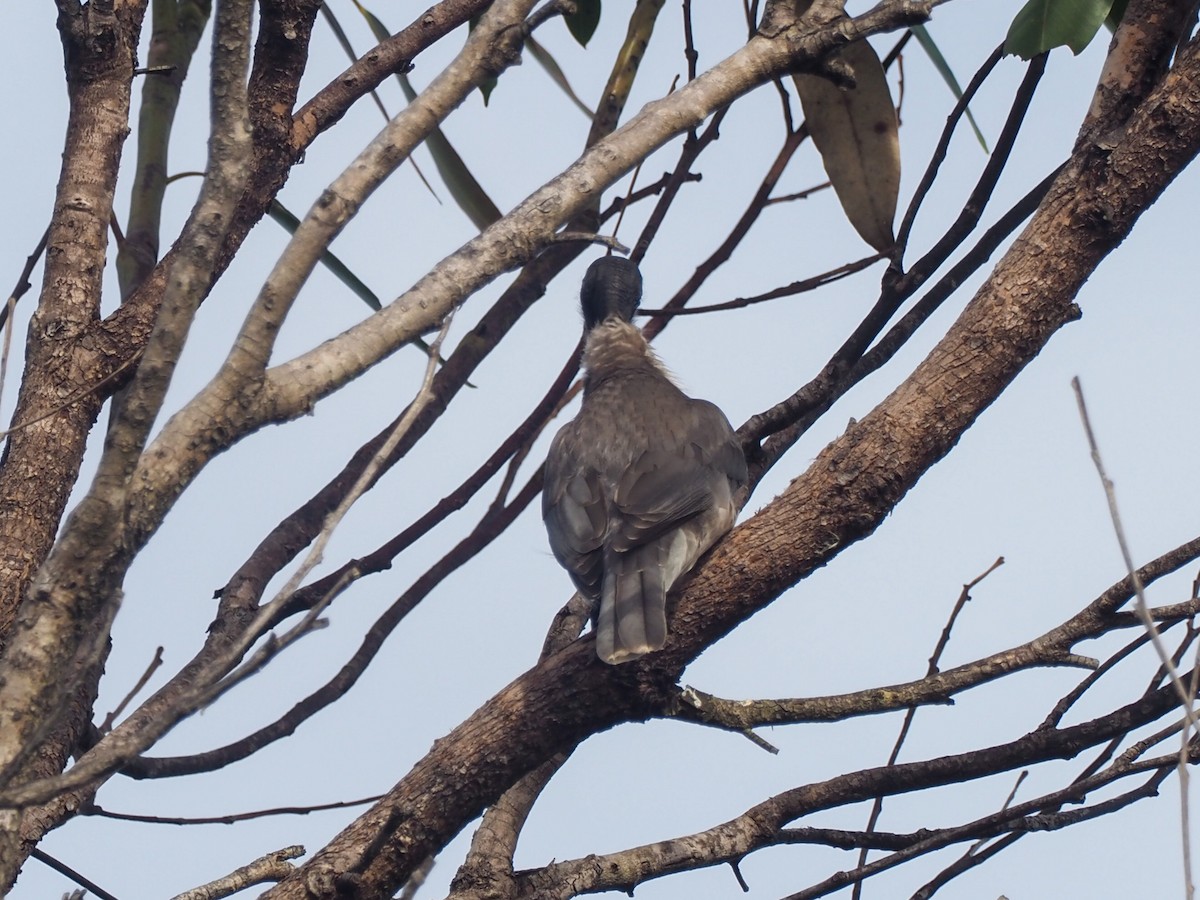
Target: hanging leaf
point(290, 223)
point(1116, 14)
point(466, 191)
point(542, 55)
point(488, 84)
point(582, 23)
point(921, 33)
point(856, 132)
point(625, 68)
point(1042, 25)
point(342, 39)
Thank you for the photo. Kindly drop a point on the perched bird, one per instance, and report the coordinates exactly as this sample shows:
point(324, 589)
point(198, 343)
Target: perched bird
point(642, 481)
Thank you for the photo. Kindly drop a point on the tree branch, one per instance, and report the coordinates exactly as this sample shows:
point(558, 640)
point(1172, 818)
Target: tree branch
point(292, 387)
point(843, 497)
point(76, 592)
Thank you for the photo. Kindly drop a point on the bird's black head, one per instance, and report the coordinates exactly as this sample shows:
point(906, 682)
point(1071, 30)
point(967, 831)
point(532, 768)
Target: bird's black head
point(611, 287)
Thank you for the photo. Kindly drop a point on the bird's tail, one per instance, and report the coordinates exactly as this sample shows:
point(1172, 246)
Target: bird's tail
point(633, 604)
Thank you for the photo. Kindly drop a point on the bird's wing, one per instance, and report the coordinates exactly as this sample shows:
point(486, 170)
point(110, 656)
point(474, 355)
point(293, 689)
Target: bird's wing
point(695, 465)
point(718, 442)
point(669, 505)
point(575, 512)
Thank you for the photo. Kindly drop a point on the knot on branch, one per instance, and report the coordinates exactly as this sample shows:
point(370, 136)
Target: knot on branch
point(505, 50)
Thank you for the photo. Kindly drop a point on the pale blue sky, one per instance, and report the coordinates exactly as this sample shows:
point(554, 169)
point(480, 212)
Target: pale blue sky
point(1020, 485)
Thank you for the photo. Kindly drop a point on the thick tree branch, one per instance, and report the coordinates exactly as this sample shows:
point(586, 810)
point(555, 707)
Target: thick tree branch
point(41, 463)
point(240, 603)
point(76, 592)
point(90, 357)
point(1054, 648)
point(396, 54)
point(239, 599)
point(38, 471)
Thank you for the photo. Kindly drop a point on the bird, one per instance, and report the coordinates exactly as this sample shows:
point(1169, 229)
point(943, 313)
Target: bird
point(642, 481)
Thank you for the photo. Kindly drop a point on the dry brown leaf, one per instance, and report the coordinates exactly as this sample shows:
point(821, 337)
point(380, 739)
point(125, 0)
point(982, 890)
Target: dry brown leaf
point(856, 132)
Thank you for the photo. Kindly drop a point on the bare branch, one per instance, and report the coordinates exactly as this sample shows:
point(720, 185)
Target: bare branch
point(77, 588)
point(270, 868)
point(23, 284)
point(63, 869)
point(764, 825)
point(133, 691)
point(230, 818)
point(934, 664)
point(1140, 606)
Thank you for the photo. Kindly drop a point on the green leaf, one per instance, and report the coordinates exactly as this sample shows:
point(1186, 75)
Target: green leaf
point(1042, 25)
point(542, 55)
point(582, 23)
point(348, 48)
point(378, 29)
point(625, 68)
point(290, 223)
point(486, 87)
point(466, 191)
point(1116, 14)
point(943, 67)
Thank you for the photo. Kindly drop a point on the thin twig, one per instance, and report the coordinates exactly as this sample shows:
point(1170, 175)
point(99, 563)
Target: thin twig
point(621, 203)
point(273, 867)
point(788, 419)
point(1012, 795)
point(692, 148)
point(565, 237)
point(800, 195)
point(1143, 612)
point(689, 42)
point(489, 527)
point(19, 290)
point(316, 552)
point(943, 145)
point(133, 692)
point(737, 234)
point(23, 284)
point(935, 660)
point(782, 425)
point(8, 331)
point(76, 397)
point(788, 290)
point(230, 818)
point(63, 869)
point(1140, 605)
point(210, 684)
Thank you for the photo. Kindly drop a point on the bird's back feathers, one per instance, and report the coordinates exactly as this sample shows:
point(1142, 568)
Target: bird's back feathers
point(638, 486)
